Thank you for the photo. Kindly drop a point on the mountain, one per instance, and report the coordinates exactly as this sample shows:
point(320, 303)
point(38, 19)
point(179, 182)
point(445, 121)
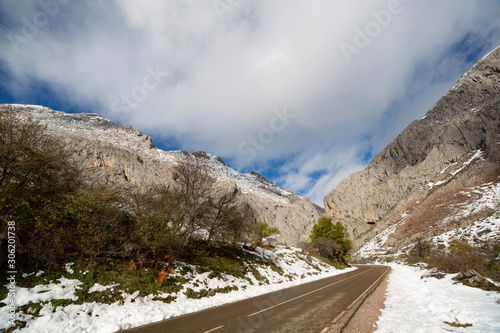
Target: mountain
point(440, 176)
point(121, 157)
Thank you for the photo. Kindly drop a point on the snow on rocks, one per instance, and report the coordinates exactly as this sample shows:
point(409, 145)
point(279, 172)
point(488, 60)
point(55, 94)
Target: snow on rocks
point(415, 303)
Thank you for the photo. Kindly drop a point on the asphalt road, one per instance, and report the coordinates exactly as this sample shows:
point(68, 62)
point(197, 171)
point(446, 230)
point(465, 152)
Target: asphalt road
point(312, 307)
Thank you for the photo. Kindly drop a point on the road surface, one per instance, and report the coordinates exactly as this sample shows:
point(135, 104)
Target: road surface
point(320, 306)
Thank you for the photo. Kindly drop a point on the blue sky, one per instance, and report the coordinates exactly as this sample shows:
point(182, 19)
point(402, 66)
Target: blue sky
point(303, 92)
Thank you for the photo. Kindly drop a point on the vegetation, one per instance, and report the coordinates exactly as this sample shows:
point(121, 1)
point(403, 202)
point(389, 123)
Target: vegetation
point(459, 256)
point(60, 218)
point(263, 231)
point(331, 240)
point(132, 242)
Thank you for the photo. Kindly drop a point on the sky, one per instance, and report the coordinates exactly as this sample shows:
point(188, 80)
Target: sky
point(303, 92)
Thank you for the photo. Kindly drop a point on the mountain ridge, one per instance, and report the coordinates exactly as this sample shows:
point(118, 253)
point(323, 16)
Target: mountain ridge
point(122, 157)
point(465, 120)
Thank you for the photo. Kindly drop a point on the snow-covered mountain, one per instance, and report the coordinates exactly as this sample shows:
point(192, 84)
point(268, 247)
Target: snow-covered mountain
point(121, 157)
point(440, 177)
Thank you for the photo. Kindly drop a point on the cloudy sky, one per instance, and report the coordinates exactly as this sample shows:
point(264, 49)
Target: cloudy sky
point(304, 92)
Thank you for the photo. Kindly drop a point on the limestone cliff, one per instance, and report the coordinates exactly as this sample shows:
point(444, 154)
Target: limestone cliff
point(121, 157)
point(464, 122)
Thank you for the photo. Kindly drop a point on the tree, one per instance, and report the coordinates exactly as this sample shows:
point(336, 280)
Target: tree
point(239, 224)
point(205, 209)
point(330, 239)
point(195, 187)
point(263, 230)
point(36, 178)
point(158, 227)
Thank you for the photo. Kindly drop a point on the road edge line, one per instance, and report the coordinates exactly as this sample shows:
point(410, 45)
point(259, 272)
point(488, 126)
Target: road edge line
point(341, 321)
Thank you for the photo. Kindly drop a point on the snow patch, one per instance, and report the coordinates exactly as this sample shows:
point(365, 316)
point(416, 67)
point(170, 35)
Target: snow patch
point(134, 311)
point(415, 303)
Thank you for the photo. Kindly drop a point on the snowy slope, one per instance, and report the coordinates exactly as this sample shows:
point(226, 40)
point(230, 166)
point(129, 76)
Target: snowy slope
point(456, 205)
point(297, 268)
point(416, 302)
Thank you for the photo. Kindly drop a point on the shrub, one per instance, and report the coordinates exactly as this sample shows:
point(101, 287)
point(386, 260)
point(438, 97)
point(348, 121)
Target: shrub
point(330, 239)
point(263, 230)
point(36, 178)
point(158, 228)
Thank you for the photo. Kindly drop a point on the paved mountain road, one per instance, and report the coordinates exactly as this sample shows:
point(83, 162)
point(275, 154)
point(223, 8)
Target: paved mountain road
point(320, 306)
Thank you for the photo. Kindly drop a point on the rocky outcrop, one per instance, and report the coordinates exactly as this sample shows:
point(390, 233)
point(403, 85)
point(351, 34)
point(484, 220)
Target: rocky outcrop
point(474, 279)
point(465, 120)
point(121, 157)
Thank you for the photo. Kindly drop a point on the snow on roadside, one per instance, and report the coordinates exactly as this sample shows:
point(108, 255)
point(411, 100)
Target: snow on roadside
point(136, 311)
point(424, 304)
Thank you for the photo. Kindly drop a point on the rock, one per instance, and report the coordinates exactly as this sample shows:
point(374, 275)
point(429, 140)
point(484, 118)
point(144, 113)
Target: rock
point(464, 121)
point(120, 157)
point(474, 279)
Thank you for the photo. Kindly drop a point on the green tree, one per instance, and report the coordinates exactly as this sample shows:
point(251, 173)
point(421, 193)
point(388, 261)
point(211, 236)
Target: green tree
point(330, 239)
point(263, 230)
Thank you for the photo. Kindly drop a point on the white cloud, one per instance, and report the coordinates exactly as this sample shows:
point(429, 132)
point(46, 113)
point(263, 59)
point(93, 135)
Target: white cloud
point(218, 80)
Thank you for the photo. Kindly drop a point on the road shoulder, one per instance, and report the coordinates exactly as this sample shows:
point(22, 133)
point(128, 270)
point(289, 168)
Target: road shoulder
point(366, 317)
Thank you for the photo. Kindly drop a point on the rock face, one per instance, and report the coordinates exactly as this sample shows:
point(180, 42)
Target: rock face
point(464, 123)
point(121, 157)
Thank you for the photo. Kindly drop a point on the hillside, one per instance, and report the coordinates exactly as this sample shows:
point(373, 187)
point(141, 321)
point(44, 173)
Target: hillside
point(440, 176)
point(120, 157)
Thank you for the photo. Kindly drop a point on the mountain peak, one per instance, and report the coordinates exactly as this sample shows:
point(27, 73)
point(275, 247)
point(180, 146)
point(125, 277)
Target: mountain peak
point(464, 121)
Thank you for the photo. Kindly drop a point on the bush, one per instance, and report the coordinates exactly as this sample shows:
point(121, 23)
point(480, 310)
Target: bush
point(263, 230)
point(459, 256)
point(330, 239)
point(36, 178)
point(158, 230)
point(59, 218)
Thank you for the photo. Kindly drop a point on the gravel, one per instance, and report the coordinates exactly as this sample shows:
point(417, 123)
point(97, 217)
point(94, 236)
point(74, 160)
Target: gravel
point(365, 319)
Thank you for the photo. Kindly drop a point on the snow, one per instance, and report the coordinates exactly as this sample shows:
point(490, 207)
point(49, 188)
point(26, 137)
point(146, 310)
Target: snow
point(135, 311)
point(416, 303)
point(65, 289)
point(99, 287)
point(376, 245)
point(94, 127)
point(477, 155)
point(68, 268)
point(484, 197)
point(474, 233)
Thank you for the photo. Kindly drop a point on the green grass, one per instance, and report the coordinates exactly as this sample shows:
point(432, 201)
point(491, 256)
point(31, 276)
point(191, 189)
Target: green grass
point(141, 278)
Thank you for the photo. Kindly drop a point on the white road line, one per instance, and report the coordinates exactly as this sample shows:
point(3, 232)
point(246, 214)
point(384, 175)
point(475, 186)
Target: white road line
point(311, 292)
point(214, 329)
point(363, 294)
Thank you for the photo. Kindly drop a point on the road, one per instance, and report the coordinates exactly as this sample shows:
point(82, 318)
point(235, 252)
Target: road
point(318, 306)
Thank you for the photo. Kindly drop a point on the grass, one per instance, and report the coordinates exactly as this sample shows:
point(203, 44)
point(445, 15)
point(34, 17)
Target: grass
point(142, 278)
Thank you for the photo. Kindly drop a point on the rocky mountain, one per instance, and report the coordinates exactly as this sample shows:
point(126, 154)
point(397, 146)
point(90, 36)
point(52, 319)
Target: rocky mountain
point(439, 177)
point(121, 157)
